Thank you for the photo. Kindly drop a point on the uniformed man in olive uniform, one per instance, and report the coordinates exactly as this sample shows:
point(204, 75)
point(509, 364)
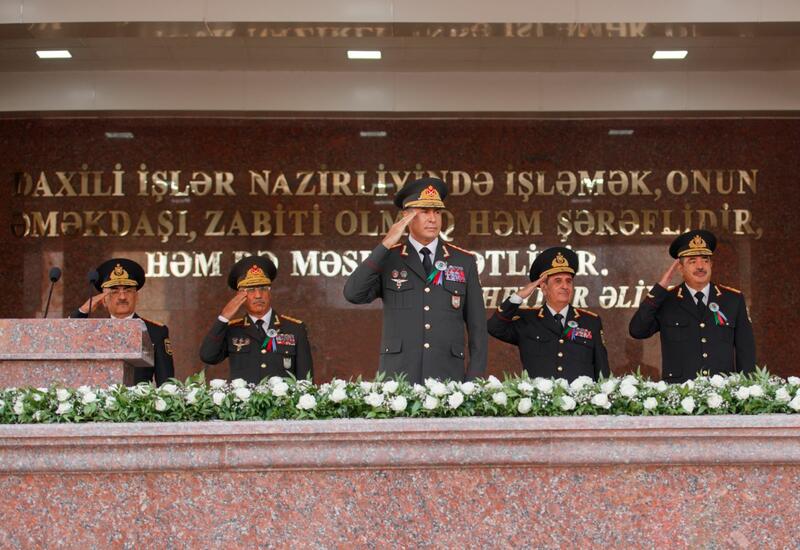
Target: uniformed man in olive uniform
point(119, 282)
point(430, 292)
point(705, 328)
point(555, 340)
point(262, 343)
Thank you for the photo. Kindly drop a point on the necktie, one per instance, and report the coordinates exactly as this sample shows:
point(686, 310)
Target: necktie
point(701, 307)
point(426, 260)
point(260, 326)
point(560, 318)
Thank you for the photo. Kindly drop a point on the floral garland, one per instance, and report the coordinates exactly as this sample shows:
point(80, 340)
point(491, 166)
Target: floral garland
point(287, 398)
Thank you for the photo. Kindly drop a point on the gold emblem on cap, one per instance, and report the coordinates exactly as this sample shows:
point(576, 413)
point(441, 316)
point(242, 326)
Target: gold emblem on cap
point(697, 242)
point(119, 277)
point(255, 276)
point(429, 194)
point(560, 261)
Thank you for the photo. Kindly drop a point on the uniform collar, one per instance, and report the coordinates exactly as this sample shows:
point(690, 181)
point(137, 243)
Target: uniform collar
point(706, 292)
point(267, 316)
point(430, 246)
point(564, 312)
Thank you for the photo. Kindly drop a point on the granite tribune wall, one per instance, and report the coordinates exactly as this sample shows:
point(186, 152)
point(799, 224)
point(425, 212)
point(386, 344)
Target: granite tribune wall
point(187, 196)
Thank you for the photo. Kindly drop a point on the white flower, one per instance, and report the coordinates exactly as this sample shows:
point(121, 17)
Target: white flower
point(280, 389)
point(500, 398)
point(62, 394)
point(338, 383)
point(580, 382)
point(338, 394)
point(601, 400)
point(661, 386)
point(608, 386)
point(242, 394)
point(438, 389)
point(304, 384)
point(452, 386)
point(218, 397)
point(161, 405)
point(390, 386)
point(493, 383)
point(525, 387)
point(630, 379)
point(756, 391)
point(274, 380)
point(419, 390)
point(191, 397)
point(365, 386)
point(110, 402)
point(63, 408)
point(544, 385)
point(374, 399)
point(141, 389)
point(687, 404)
point(217, 384)
point(628, 390)
point(430, 403)
point(793, 381)
point(2, 403)
point(398, 403)
point(688, 384)
point(238, 383)
point(468, 388)
point(782, 395)
point(567, 403)
point(306, 402)
point(455, 399)
point(37, 416)
point(525, 405)
point(89, 397)
point(718, 381)
point(36, 396)
point(19, 407)
point(83, 389)
point(650, 403)
point(714, 400)
point(169, 389)
point(794, 404)
point(742, 393)
point(562, 383)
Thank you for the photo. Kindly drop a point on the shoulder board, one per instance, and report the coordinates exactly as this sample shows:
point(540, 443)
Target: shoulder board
point(587, 312)
point(151, 322)
point(234, 322)
point(731, 289)
point(298, 321)
point(670, 289)
point(470, 252)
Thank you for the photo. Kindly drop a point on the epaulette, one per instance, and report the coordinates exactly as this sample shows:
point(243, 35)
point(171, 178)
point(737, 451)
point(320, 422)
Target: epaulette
point(670, 289)
point(731, 289)
point(151, 322)
point(298, 321)
point(235, 322)
point(587, 312)
point(470, 252)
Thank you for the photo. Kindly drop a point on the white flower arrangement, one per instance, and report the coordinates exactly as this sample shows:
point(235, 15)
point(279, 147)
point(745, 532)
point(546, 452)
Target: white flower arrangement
point(287, 398)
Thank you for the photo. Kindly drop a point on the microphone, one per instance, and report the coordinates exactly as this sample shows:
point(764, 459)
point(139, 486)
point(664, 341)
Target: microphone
point(93, 277)
point(55, 275)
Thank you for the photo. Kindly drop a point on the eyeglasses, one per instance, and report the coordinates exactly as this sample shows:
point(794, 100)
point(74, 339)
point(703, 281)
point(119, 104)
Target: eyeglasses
point(125, 290)
point(252, 289)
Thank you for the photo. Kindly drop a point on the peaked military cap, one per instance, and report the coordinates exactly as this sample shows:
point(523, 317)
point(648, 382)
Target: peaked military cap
point(422, 193)
point(252, 271)
point(557, 259)
point(693, 243)
point(119, 272)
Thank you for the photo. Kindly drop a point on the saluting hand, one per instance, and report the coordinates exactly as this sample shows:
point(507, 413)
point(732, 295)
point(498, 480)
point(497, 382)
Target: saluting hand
point(97, 302)
point(528, 289)
point(395, 232)
point(232, 307)
point(667, 276)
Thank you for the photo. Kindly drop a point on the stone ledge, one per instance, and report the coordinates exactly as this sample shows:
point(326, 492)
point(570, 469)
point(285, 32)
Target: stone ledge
point(400, 444)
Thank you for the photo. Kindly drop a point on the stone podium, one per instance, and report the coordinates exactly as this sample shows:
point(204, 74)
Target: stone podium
point(73, 352)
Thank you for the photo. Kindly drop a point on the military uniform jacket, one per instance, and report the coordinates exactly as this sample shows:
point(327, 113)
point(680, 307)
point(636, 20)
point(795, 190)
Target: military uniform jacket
point(250, 354)
point(423, 323)
point(163, 367)
point(692, 344)
point(546, 348)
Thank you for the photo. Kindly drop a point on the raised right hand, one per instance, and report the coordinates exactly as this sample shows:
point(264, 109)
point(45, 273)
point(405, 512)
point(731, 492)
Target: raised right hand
point(97, 302)
point(667, 276)
point(232, 307)
point(528, 289)
point(395, 232)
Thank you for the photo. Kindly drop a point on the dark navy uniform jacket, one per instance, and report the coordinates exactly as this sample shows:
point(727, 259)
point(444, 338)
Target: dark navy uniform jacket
point(694, 344)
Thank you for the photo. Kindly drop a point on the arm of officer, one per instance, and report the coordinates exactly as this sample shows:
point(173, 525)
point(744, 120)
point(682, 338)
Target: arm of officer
point(743, 339)
point(83, 311)
point(214, 348)
point(475, 318)
point(501, 325)
point(305, 364)
point(600, 353)
point(644, 322)
point(164, 366)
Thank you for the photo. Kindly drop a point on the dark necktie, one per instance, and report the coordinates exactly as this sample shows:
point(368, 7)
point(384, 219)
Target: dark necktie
point(260, 327)
point(701, 307)
point(426, 260)
point(559, 318)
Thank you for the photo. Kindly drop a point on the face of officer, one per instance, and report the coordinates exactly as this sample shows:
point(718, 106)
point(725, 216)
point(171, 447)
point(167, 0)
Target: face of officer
point(557, 290)
point(696, 271)
point(426, 225)
point(258, 300)
point(120, 301)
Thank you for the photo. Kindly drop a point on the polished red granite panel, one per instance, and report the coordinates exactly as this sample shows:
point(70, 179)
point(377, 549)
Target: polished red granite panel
point(72, 352)
point(669, 481)
point(758, 258)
